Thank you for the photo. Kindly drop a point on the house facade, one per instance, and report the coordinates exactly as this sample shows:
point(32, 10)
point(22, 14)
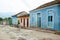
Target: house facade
point(46, 16)
point(23, 18)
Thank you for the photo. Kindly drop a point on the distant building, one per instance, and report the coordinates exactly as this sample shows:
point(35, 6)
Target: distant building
point(46, 16)
point(23, 18)
point(4, 22)
point(1, 22)
point(14, 20)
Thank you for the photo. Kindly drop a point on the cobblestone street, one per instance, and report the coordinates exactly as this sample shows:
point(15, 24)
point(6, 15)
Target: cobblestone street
point(11, 33)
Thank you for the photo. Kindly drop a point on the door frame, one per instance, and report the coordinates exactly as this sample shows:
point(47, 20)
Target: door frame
point(52, 19)
point(37, 20)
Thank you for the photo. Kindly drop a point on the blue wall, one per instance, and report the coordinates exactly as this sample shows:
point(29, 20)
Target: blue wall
point(33, 19)
point(14, 20)
point(59, 16)
point(44, 13)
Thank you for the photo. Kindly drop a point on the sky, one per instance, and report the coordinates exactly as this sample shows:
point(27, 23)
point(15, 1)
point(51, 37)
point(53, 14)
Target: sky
point(12, 7)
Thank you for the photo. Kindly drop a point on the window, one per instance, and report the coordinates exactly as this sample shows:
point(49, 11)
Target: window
point(50, 18)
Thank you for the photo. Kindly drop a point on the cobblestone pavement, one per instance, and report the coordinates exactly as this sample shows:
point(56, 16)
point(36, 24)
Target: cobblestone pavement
point(11, 33)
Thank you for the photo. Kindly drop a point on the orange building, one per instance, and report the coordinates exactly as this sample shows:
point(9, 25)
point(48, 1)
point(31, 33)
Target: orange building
point(23, 18)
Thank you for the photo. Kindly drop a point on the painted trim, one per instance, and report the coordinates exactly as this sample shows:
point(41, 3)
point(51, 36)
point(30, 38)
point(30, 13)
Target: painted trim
point(45, 7)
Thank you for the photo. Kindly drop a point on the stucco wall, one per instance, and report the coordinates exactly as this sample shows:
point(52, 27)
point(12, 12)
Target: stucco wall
point(33, 19)
point(58, 17)
point(22, 21)
point(44, 17)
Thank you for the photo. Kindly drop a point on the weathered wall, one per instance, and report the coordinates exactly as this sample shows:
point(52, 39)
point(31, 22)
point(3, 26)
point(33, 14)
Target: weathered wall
point(58, 18)
point(44, 13)
point(33, 19)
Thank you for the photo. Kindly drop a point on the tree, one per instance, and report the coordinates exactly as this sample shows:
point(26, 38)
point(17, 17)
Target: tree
point(9, 18)
point(18, 22)
point(1, 19)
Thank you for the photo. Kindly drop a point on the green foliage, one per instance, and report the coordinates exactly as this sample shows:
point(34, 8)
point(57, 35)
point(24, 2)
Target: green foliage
point(1, 19)
point(9, 18)
point(18, 22)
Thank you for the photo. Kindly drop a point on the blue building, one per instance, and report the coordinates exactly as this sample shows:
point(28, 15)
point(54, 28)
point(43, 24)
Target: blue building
point(46, 16)
point(14, 20)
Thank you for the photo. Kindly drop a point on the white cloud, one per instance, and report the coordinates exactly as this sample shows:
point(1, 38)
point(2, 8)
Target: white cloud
point(11, 6)
point(15, 6)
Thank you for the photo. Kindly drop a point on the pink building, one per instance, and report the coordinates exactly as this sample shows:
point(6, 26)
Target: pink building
point(23, 18)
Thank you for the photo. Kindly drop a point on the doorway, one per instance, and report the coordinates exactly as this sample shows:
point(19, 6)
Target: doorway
point(38, 20)
point(24, 22)
point(27, 22)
